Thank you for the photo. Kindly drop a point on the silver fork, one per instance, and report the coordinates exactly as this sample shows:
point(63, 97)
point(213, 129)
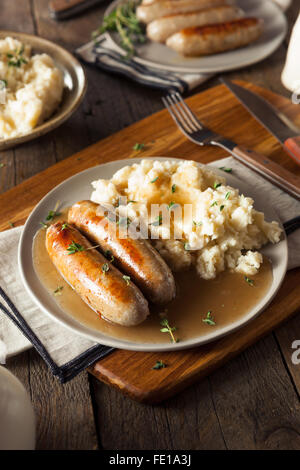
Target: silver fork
point(195, 131)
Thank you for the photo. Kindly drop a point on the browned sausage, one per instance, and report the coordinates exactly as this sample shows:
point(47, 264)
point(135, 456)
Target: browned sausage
point(105, 291)
point(152, 11)
point(135, 257)
point(216, 38)
point(159, 30)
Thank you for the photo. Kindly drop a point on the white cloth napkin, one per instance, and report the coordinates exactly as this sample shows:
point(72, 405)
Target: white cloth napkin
point(61, 343)
point(109, 59)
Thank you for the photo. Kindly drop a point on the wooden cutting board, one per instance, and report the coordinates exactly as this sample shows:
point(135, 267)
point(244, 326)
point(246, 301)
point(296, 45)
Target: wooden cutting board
point(131, 372)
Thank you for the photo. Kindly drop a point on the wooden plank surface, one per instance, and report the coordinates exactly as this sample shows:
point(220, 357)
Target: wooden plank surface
point(209, 424)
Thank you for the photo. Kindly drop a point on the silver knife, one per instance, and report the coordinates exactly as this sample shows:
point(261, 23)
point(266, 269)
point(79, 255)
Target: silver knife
point(272, 119)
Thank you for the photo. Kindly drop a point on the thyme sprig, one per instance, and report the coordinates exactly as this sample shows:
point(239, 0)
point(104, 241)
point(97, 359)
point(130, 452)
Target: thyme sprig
point(168, 329)
point(123, 20)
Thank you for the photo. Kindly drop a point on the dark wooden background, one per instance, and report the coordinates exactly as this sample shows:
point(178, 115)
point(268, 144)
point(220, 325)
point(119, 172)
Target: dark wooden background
point(250, 403)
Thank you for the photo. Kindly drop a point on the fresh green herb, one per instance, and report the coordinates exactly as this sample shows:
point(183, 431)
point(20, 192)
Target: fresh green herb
point(155, 179)
point(123, 20)
point(74, 248)
point(208, 320)
point(187, 246)
point(168, 329)
point(197, 224)
point(131, 202)
point(158, 221)
point(44, 225)
point(227, 170)
point(16, 59)
point(126, 279)
point(250, 281)
point(108, 254)
point(58, 290)
point(11, 224)
point(64, 226)
point(159, 365)
point(52, 214)
point(138, 146)
point(217, 185)
point(105, 268)
point(227, 196)
point(221, 208)
point(214, 204)
point(3, 84)
point(173, 188)
point(172, 205)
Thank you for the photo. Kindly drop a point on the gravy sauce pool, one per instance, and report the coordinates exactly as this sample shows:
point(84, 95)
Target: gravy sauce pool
point(229, 297)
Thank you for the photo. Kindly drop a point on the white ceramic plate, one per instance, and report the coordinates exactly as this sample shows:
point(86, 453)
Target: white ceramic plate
point(74, 85)
point(78, 187)
point(160, 56)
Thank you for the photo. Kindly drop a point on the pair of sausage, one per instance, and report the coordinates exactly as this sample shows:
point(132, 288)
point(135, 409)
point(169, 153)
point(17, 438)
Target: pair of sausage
point(216, 38)
point(98, 282)
point(162, 28)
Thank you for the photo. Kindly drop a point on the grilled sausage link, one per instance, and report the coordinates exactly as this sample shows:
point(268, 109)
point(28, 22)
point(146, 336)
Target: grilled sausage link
point(157, 9)
point(135, 257)
point(104, 291)
point(212, 39)
point(159, 30)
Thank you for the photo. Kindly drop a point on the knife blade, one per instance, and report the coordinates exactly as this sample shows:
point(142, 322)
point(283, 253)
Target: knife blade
point(272, 119)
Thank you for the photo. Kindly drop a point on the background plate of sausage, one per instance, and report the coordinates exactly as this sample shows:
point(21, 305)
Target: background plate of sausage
point(77, 188)
point(260, 21)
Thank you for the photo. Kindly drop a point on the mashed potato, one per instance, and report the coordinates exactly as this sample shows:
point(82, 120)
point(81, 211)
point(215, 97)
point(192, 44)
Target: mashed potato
point(31, 88)
point(201, 221)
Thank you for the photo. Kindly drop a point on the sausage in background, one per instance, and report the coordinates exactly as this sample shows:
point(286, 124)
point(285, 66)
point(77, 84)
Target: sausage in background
point(159, 30)
point(212, 39)
point(152, 11)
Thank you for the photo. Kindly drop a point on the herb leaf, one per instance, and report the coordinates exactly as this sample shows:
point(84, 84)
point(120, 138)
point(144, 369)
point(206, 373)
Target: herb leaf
point(173, 188)
point(58, 290)
point(249, 281)
point(105, 268)
point(227, 196)
point(217, 185)
point(159, 365)
point(155, 179)
point(157, 222)
point(168, 329)
point(227, 170)
point(74, 248)
point(138, 146)
point(126, 279)
point(208, 320)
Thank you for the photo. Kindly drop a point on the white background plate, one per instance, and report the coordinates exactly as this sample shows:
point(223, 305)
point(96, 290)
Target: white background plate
point(160, 56)
point(78, 187)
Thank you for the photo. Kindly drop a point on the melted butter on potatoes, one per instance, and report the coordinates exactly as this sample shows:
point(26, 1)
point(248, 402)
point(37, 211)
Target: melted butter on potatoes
point(222, 231)
point(32, 88)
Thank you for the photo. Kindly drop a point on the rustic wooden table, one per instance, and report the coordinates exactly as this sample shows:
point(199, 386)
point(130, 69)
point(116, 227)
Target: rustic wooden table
point(250, 403)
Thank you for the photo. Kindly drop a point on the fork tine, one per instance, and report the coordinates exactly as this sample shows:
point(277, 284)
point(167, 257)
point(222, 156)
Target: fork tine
point(189, 111)
point(175, 115)
point(181, 110)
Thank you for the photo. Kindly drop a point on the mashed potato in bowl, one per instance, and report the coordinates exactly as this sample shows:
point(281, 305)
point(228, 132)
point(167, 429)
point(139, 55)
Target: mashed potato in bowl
point(193, 217)
point(31, 88)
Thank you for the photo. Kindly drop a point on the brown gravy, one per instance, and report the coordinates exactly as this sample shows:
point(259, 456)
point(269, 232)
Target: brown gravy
point(229, 297)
